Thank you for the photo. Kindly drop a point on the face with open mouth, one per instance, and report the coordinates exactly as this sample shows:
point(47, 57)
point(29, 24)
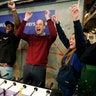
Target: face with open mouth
point(8, 28)
point(39, 27)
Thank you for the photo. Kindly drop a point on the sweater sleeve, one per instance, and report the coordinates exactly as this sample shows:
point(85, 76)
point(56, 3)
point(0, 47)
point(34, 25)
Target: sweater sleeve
point(16, 20)
point(79, 36)
point(62, 36)
point(52, 31)
point(20, 32)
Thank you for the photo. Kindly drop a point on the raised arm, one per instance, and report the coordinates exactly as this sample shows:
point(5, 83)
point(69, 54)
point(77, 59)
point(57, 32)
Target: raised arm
point(60, 31)
point(12, 6)
point(20, 30)
point(79, 36)
point(51, 27)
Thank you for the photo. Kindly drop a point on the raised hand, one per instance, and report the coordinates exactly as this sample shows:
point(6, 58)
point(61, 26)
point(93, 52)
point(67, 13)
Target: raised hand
point(28, 15)
point(75, 10)
point(78, 3)
point(11, 5)
point(47, 14)
point(55, 18)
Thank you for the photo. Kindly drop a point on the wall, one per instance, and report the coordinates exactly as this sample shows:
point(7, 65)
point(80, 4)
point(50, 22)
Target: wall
point(57, 50)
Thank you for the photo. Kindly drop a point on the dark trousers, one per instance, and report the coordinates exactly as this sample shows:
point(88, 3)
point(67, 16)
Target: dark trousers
point(34, 75)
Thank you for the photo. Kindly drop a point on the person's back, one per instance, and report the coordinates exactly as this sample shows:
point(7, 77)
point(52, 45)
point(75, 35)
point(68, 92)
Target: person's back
point(89, 56)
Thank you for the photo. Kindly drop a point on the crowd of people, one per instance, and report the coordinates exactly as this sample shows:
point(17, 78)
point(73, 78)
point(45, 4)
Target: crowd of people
point(34, 71)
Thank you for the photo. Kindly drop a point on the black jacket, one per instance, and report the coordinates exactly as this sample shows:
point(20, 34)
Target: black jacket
point(89, 56)
point(8, 46)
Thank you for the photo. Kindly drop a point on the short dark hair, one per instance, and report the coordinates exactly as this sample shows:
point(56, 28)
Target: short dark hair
point(41, 20)
point(8, 22)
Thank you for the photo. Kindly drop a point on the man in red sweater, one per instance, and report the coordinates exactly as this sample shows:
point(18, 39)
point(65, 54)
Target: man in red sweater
point(38, 49)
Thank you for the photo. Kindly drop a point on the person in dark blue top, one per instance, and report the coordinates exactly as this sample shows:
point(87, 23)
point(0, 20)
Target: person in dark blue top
point(70, 70)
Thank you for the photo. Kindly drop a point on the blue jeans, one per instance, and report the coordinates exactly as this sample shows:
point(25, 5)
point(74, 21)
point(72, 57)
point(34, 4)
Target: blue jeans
point(4, 70)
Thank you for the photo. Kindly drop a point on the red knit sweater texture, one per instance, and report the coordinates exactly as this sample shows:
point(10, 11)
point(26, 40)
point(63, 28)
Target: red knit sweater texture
point(38, 46)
